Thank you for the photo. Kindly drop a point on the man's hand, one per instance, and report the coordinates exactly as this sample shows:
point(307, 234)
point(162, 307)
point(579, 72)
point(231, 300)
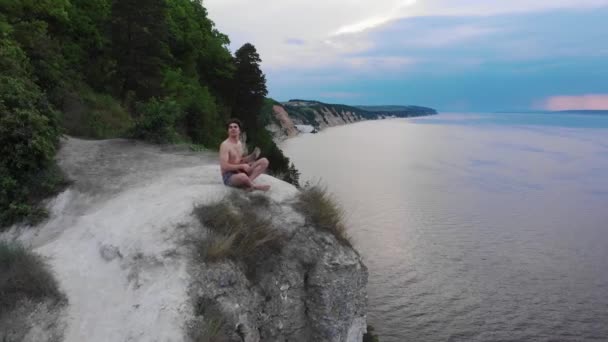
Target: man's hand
point(245, 167)
point(252, 157)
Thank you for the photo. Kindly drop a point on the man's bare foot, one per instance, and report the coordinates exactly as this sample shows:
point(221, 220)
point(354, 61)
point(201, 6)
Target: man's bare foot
point(264, 187)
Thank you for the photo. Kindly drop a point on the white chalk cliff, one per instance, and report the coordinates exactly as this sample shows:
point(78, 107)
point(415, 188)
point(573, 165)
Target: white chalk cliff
point(116, 241)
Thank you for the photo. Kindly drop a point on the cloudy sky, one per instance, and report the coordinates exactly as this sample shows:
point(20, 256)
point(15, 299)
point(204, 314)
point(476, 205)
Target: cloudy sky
point(453, 55)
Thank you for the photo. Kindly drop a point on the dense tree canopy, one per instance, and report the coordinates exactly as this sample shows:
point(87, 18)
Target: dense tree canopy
point(151, 69)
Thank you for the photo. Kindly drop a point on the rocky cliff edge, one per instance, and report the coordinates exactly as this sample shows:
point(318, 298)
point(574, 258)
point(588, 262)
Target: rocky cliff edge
point(119, 241)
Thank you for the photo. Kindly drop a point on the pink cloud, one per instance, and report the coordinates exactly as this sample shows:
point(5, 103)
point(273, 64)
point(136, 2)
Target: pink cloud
point(586, 102)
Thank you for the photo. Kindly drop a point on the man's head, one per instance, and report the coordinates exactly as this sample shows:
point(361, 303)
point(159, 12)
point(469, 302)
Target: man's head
point(234, 127)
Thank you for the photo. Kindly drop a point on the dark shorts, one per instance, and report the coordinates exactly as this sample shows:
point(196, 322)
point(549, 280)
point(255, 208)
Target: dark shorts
point(226, 177)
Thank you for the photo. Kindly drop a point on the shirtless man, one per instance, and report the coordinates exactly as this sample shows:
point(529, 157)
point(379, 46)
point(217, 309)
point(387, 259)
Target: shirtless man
point(239, 171)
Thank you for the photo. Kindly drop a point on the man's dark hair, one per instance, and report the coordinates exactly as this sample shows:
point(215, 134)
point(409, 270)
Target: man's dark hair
point(236, 121)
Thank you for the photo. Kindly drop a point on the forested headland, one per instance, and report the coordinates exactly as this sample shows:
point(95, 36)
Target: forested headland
point(156, 70)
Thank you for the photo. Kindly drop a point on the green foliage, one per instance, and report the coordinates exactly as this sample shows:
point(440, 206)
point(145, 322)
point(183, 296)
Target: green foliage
point(250, 87)
point(24, 275)
point(139, 46)
point(156, 69)
point(322, 212)
point(87, 45)
point(44, 52)
point(399, 111)
point(53, 11)
point(29, 135)
point(13, 60)
point(35, 27)
point(250, 90)
point(156, 122)
point(27, 144)
point(239, 232)
point(201, 121)
point(198, 48)
point(87, 113)
point(293, 175)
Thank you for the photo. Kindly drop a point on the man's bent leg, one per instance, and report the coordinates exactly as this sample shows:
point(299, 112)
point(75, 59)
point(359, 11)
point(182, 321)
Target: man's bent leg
point(240, 180)
point(258, 167)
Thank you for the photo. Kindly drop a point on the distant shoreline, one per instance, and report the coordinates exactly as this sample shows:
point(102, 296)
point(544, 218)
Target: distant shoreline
point(570, 111)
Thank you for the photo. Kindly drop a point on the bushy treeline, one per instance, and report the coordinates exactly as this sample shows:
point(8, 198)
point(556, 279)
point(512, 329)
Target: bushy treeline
point(158, 70)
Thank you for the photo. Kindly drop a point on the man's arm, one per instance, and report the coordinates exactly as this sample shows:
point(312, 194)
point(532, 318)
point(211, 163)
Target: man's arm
point(252, 157)
point(248, 159)
point(225, 160)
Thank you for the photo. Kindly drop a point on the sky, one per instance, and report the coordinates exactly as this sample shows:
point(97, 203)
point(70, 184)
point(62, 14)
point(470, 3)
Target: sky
point(451, 55)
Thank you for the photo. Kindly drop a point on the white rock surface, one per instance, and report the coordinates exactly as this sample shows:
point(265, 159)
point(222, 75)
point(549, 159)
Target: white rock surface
point(115, 237)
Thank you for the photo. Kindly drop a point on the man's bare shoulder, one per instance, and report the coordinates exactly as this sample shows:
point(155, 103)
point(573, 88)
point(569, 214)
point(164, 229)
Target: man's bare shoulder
point(226, 144)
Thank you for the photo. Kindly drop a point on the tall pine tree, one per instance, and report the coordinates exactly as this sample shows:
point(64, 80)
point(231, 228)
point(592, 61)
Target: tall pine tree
point(250, 89)
point(250, 93)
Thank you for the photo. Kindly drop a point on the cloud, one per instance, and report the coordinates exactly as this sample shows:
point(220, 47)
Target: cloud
point(383, 63)
point(327, 31)
point(490, 8)
point(294, 41)
point(582, 102)
point(396, 12)
point(488, 54)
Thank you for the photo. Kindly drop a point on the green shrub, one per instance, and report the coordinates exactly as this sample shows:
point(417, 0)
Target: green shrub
point(201, 121)
point(20, 199)
point(156, 121)
point(24, 275)
point(322, 212)
point(94, 115)
point(29, 136)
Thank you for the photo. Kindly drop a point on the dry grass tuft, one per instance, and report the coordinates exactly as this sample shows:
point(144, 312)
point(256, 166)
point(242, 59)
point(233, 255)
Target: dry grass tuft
point(321, 211)
point(239, 232)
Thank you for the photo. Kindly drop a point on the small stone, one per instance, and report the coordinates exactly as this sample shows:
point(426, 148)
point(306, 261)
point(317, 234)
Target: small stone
point(109, 252)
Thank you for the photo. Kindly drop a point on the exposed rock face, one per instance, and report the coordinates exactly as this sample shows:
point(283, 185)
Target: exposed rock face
point(117, 241)
point(321, 115)
point(283, 127)
point(351, 116)
point(329, 117)
point(313, 291)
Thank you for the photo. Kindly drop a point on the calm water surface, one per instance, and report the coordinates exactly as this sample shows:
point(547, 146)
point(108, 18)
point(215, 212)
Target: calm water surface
point(485, 227)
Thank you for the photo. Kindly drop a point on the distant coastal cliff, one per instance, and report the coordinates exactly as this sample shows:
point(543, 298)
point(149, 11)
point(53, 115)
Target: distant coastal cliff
point(287, 119)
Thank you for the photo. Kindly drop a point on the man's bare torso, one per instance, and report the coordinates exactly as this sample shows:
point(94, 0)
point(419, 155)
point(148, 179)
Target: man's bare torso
point(235, 152)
